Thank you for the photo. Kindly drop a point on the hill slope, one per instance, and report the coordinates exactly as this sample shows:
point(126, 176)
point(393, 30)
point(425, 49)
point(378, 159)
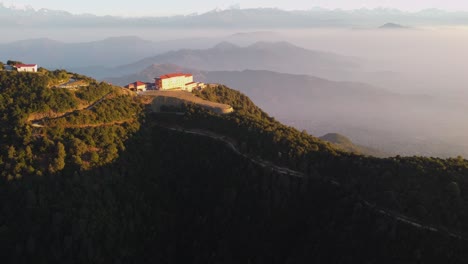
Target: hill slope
point(27, 102)
point(346, 144)
point(173, 189)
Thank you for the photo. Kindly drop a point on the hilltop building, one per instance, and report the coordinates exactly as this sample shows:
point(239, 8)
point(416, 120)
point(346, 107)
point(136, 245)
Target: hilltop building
point(26, 67)
point(179, 81)
point(138, 86)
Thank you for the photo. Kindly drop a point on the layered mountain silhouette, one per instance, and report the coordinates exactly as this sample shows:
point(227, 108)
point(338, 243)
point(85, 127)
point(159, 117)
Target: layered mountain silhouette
point(264, 85)
point(274, 56)
point(56, 54)
point(96, 58)
point(233, 18)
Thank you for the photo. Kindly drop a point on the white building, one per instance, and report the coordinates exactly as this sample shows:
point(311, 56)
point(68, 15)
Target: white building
point(26, 67)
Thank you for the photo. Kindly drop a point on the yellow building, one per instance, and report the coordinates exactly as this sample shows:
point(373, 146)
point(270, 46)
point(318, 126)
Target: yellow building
point(174, 81)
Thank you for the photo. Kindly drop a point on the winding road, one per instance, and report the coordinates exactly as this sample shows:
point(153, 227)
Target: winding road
point(39, 122)
point(286, 171)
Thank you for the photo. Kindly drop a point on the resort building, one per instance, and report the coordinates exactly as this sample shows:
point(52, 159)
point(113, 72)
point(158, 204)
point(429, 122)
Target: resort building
point(179, 81)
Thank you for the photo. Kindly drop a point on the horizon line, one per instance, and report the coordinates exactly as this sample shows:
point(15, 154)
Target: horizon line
point(217, 9)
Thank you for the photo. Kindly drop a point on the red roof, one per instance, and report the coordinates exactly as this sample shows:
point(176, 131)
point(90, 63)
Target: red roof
point(135, 84)
point(138, 83)
point(25, 65)
point(172, 75)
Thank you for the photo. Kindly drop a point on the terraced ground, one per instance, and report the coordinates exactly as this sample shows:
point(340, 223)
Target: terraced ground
point(179, 98)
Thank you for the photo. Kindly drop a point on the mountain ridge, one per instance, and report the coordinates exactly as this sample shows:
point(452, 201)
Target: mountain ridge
point(255, 17)
point(279, 56)
point(393, 26)
point(101, 52)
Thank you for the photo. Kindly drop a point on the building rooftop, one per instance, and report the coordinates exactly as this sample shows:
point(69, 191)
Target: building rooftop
point(138, 83)
point(172, 75)
point(25, 65)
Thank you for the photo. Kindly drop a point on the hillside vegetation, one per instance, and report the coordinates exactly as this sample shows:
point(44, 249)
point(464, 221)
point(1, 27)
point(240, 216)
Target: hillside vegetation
point(112, 184)
point(344, 143)
point(433, 190)
point(28, 150)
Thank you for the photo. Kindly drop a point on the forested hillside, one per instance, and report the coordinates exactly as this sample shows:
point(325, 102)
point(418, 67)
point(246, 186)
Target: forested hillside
point(89, 177)
point(66, 136)
point(346, 144)
point(433, 190)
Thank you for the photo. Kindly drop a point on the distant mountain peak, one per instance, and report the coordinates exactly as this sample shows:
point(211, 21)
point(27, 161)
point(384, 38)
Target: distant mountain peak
point(267, 44)
point(164, 68)
point(37, 41)
point(225, 45)
point(124, 38)
point(19, 7)
point(392, 26)
point(23, 9)
point(254, 33)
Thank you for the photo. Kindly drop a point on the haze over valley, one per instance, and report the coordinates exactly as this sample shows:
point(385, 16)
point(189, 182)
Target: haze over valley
point(400, 110)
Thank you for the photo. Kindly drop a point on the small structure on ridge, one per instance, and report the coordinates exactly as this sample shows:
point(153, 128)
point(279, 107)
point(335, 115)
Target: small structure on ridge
point(26, 67)
point(138, 86)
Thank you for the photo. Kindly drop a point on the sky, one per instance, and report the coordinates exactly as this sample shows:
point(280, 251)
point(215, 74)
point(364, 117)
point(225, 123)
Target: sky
point(165, 7)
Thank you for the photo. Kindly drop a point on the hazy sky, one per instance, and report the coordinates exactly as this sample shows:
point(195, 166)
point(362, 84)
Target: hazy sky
point(165, 7)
